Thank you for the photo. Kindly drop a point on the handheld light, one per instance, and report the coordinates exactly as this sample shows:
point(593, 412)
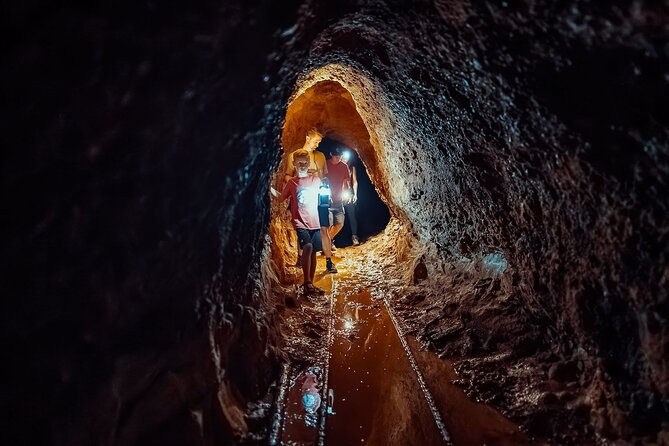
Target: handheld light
point(346, 195)
point(324, 195)
point(346, 155)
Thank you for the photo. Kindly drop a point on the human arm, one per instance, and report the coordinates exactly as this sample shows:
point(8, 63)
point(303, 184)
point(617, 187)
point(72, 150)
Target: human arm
point(286, 191)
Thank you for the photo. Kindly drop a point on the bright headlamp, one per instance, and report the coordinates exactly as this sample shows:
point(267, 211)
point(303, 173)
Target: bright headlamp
point(324, 195)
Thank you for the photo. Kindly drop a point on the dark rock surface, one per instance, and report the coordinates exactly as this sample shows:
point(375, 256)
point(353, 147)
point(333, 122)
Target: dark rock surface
point(522, 145)
point(133, 184)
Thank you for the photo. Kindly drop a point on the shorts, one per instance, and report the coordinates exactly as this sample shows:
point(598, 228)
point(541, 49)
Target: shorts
point(306, 236)
point(333, 216)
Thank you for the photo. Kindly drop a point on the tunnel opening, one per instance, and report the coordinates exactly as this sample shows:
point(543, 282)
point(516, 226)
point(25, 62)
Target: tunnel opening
point(328, 107)
point(370, 213)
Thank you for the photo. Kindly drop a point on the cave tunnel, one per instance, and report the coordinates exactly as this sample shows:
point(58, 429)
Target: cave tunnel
point(330, 109)
point(511, 282)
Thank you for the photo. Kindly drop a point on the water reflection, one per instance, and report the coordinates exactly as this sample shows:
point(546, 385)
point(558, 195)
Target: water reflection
point(376, 395)
point(302, 408)
point(311, 398)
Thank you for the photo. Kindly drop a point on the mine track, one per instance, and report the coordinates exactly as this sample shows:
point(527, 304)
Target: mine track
point(291, 376)
point(421, 380)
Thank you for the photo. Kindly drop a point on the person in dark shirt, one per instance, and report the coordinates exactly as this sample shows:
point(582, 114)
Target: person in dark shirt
point(350, 205)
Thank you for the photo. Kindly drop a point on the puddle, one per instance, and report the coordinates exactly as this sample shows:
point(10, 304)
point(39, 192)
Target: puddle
point(301, 419)
point(367, 391)
point(303, 404)
point(376, 397)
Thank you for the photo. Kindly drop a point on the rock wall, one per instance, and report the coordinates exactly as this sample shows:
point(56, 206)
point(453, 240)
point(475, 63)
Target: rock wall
point(523, 143)
point(527, 143)
point(134, 174)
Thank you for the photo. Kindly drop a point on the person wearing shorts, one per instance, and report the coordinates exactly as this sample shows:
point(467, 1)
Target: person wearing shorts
point(307, 236)
point(317, 167)
point(302, 190)
point(339, 179)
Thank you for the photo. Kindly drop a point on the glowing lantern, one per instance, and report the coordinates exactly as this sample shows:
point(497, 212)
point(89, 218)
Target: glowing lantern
point(324, 195)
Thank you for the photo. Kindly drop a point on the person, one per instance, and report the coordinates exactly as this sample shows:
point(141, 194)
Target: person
point(302, 190)
point(339, 179)
point(317, 166)
point(350, 205)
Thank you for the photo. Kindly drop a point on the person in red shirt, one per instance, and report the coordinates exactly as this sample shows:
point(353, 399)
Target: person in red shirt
point(316, 167)
point(303, 193)
point(339, 179)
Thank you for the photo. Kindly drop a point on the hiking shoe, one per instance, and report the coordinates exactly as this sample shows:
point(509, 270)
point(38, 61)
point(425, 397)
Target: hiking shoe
point(355, 240)
point(329, 267)
point(310, 288)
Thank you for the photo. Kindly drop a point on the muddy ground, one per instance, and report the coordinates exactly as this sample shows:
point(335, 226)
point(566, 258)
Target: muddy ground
point(509, 366)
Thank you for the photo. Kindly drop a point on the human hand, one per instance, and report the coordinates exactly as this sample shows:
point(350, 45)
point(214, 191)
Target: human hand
point(347, 196)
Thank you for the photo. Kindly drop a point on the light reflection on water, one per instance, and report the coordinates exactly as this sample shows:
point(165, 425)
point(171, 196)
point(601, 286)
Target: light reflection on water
point(373, 396)
point(369, 373)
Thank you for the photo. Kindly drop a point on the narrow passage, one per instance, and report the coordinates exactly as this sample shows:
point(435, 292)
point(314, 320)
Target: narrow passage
point(368, 386)
point(377, 396)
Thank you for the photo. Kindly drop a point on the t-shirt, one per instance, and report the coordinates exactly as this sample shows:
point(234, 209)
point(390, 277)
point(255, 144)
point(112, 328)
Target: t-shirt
point(303, 194)
point(317, 166)
point(337, 175)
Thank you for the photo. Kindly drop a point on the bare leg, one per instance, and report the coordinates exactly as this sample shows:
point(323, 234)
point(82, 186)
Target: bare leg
point(298, 262)
point(352, 218)
point(327, 242)
point(307, 254)
point(312, 271)
point(334, 230)
point(336, 223)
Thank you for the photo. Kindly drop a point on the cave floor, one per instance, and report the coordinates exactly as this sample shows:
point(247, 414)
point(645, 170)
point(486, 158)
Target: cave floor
point(377, 386)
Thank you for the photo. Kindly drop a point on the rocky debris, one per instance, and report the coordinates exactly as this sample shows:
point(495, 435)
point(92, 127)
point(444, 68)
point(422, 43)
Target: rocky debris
point(304, 328)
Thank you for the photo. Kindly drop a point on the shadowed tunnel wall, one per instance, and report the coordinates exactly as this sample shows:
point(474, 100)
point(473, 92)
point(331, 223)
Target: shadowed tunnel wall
point(140, 142)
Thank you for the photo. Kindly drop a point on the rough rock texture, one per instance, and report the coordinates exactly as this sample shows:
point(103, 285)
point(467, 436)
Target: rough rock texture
point(133, 187)
point(525, 146)
point(521, 146)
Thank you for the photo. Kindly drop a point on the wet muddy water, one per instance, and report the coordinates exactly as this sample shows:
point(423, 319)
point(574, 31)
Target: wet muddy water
point(365, 390)
point(377, 398)
point(301, 418)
